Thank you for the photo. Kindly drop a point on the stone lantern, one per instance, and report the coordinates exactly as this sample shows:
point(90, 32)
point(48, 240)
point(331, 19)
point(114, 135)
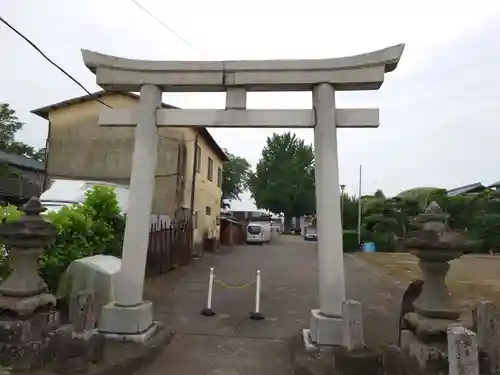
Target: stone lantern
point(424, 329)
point(27, 315)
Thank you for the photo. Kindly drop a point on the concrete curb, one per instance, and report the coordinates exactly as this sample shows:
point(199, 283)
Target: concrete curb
point(145, 356)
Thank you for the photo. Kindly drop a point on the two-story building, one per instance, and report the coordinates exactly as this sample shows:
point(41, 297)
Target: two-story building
point(189, 167)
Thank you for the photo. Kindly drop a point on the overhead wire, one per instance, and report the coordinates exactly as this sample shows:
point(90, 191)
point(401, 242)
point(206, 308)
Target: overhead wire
point(172, 31)
point(36, 48)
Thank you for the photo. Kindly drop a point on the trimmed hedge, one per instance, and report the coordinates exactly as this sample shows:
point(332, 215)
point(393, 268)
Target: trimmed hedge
point(350, 241)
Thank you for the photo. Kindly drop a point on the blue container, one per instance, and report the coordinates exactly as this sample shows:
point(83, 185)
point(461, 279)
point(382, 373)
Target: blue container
point(369, 247)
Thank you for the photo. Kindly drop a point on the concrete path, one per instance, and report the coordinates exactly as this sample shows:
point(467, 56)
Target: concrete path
point(230, 343)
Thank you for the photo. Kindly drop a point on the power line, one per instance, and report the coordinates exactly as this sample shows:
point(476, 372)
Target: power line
point(33, 45)
point(180, 37)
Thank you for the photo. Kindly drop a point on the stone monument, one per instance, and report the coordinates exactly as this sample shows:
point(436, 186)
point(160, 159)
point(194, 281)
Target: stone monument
point(28, 319)
point(424, 331)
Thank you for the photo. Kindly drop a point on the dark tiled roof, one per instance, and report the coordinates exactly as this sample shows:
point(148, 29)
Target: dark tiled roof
point(21, 161)
point(203, 132)
point(466, 189)
point(494, 185)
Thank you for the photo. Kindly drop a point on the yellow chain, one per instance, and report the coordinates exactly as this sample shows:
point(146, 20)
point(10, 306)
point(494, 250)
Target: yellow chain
point(235, 286)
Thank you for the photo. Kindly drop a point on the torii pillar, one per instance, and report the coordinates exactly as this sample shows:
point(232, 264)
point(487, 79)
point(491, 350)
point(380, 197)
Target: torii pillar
point(129, 315)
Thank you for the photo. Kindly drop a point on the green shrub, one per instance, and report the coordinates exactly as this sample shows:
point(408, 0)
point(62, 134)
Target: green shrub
point(350, 241)
point(10, 213)
point(94, 227)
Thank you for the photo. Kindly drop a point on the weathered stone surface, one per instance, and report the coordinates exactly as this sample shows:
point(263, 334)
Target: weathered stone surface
point(358, 362)
point(394, 361)
point(26, 344)
point(423, 358)
point(486, 324)
point(410, 295)
point(82, 312)
point(318, 362)
point(81, 344)
point(429, 330)
point(353, 325)
point(462, 352)
point(73, 354)
point(26, 307)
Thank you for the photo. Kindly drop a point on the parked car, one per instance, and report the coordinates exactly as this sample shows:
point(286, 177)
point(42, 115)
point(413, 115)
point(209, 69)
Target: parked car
point(311, 235)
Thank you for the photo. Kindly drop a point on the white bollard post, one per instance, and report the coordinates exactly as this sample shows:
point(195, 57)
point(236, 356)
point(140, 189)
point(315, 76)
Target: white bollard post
point(207, 311)
point(257, 315)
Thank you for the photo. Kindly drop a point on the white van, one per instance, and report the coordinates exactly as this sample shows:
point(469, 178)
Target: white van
point(258, 233)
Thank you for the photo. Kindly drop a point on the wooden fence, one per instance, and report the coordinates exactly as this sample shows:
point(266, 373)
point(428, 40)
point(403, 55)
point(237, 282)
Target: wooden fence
point(169, 247)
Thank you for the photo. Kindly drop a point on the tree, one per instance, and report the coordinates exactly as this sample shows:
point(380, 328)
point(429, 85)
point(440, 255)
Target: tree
point(379, 194)
point(284, 178)
point(235, 177)
point(9, 126)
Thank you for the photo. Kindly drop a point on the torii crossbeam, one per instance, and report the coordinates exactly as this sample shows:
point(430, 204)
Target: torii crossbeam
point(132, 316)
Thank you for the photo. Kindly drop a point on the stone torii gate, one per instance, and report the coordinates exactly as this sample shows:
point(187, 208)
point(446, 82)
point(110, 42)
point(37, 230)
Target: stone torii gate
point(132, 316)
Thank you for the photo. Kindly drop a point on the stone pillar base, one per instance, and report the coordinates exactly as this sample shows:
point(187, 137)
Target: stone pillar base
point(422, 357)
point(26, 344)
point(131, 323)
point(325, 330)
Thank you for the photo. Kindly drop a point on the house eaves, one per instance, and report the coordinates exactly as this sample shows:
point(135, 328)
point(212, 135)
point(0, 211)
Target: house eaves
point(202, 132)
point(21, 161)
point(471, 188)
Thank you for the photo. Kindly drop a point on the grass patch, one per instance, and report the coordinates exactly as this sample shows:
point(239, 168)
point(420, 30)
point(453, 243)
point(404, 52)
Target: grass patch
point(471, 278)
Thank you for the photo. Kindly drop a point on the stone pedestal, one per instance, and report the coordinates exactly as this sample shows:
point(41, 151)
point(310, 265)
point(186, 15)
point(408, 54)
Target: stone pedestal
point(345, 331)
point(326, 330)
point(27, 344)
point(28, 320)
point(133, 323)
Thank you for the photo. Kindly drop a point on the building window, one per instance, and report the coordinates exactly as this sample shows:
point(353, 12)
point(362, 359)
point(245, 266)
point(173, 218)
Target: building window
point(208, 210)
point(219, 177)
point(210, 172)
point(198, 158)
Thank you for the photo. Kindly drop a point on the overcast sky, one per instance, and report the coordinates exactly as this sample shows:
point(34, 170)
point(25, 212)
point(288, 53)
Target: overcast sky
point(440, 109)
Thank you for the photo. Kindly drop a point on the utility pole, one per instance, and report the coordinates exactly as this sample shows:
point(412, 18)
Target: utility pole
point(342, 188)
point(359, 208)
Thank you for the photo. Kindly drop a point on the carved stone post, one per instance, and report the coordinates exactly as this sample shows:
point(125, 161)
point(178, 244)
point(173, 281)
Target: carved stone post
point(27, 317)
point(24, 290)
point(425, 330)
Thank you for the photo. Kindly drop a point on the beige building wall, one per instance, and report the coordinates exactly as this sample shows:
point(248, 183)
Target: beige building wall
point(81, 149)
point(207, 195)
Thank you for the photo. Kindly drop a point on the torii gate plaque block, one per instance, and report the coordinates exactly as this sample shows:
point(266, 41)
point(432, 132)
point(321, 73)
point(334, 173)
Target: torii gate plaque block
point(131, 315)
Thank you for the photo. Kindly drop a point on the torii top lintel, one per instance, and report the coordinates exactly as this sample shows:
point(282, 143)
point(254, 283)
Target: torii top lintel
point(359, 72)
